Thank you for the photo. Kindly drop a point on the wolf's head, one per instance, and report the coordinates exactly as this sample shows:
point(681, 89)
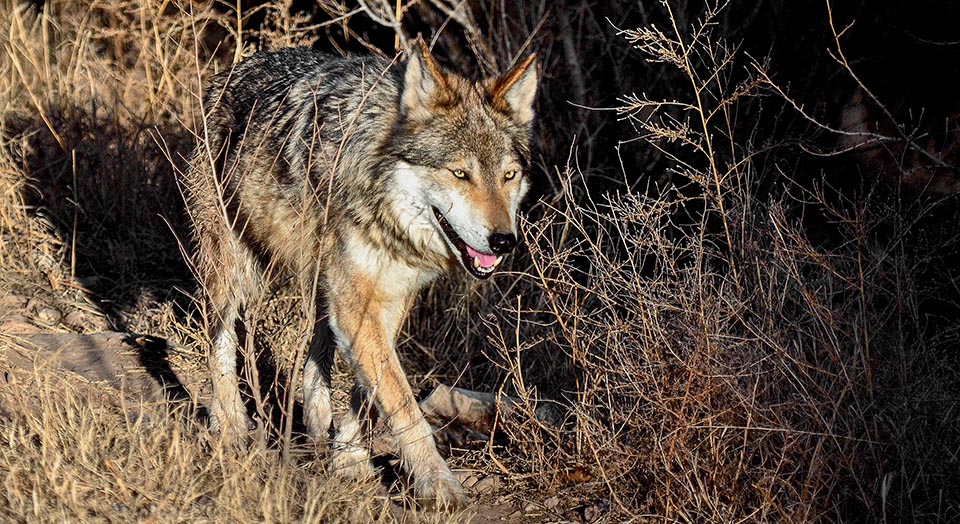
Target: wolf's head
point(463, 150)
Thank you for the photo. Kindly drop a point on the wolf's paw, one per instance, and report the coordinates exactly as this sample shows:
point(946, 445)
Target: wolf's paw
point(352, 463)
point(234, 432)
point(439, 490)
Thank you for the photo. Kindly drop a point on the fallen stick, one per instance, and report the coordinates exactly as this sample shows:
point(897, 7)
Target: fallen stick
point(474, 409)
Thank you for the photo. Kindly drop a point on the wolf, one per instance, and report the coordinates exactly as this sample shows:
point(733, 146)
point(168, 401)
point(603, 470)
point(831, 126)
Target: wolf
point(366, 179)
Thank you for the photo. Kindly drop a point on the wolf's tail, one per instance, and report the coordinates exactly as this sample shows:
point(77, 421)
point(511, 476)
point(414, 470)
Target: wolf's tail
point(207, 186)
point(214, 134)
point(210, 190)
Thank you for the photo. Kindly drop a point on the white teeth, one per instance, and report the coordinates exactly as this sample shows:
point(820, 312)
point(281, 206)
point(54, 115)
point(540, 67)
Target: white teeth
point(486, 269)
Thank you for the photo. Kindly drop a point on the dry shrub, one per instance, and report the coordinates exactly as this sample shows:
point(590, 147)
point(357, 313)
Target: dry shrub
point(91, 91)
point(727, 367)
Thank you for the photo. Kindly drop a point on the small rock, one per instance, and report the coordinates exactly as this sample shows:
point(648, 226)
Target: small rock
point(487, 484)
point(19, 326)
point(88, 282)
point(48, 315)
point(473, 436)
point(531, 509)
point(551, 502)
point(12, 302)
point(74, 318)
point(550, 414)
point(594, 511)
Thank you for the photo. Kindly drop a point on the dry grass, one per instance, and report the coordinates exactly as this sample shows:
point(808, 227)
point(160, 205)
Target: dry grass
point(729, 335)
point(67, 457)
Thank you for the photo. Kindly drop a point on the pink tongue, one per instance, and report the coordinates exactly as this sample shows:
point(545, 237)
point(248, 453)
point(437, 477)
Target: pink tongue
point(485, 260)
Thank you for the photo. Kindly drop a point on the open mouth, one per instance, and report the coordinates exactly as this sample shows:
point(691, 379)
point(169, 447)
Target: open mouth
point(480, 265)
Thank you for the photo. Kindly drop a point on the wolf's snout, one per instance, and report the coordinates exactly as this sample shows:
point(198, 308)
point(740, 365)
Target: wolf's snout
point(502, 243)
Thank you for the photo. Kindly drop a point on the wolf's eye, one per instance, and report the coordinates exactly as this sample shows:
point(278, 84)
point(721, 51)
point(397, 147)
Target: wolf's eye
point(459, 173)
point(510, 175)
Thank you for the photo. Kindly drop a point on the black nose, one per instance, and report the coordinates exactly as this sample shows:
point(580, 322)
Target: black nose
point(502, 243)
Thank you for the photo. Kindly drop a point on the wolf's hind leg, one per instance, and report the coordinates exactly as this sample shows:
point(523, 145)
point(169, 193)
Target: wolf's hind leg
point(351, 458)
point(231, 281)
point(316, 380)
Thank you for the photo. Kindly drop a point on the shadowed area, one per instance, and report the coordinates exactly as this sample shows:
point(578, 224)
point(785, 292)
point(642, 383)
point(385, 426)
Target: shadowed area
point(108, 191)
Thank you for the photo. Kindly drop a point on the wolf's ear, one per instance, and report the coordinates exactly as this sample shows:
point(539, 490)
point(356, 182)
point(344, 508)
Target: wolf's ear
point(515, 90)
point(424, 83)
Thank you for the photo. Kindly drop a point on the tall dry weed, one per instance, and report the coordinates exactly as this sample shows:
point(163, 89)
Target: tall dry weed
point(738, 345)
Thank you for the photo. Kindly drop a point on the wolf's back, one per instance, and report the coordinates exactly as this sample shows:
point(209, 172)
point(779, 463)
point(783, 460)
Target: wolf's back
point(264, 79)
point(286, 133)
point(295, 96)
point(235, 100)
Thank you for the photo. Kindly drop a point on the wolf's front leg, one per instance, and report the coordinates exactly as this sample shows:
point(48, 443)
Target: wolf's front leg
point(366, 318)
